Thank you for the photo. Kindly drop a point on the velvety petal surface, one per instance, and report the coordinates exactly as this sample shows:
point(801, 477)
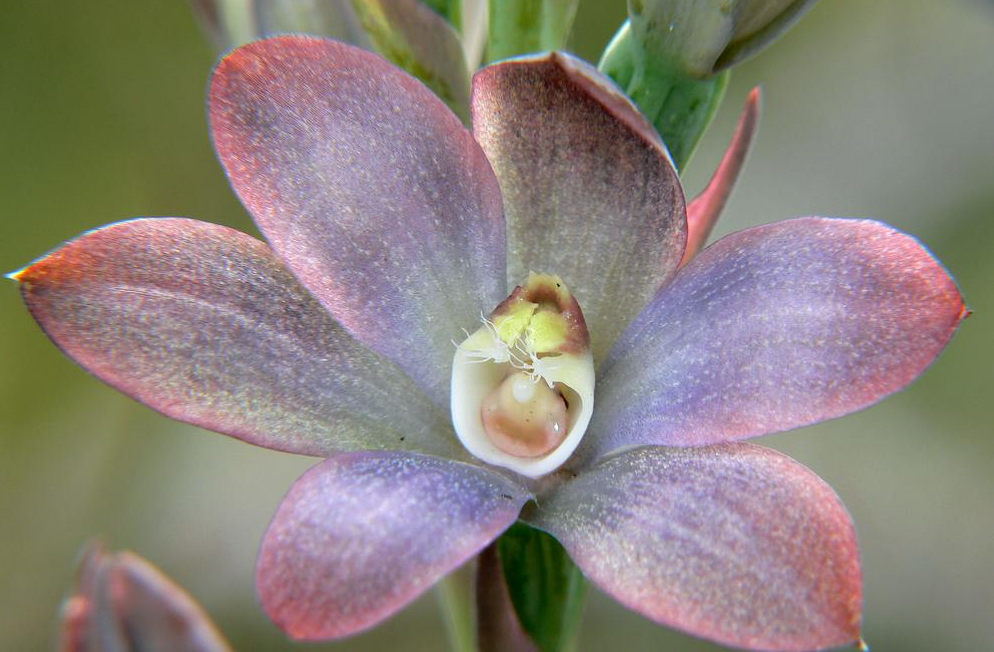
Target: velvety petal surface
point(361, 535)
point(705, 209)
point(206, 325)
point(590, 193)
point(773, 328)
point(734, 543)
point(370, 189)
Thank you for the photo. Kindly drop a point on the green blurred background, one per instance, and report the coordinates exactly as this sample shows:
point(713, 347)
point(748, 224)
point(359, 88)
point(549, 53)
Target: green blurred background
point(879, 109)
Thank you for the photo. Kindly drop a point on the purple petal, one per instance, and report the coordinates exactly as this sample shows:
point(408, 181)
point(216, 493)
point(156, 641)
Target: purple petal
point(206, 325)
point(371, 191)
point(124, 604)
point(589, 190)
point(705, 209)
point(773, 328)
point(361, 535)
point(735, 543)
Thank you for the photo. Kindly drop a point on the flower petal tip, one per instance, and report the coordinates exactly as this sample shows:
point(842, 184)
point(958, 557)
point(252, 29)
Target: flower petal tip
point(755, 97)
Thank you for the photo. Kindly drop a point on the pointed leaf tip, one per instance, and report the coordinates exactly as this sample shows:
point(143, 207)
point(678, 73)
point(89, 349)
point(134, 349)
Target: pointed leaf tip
point(705, 209)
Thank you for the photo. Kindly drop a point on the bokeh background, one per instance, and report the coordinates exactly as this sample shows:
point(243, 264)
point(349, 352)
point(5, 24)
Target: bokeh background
point(880, 109)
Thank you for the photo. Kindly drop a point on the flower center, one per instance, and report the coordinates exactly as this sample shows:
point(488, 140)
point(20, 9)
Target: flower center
point(522, 384)
point(523, 417)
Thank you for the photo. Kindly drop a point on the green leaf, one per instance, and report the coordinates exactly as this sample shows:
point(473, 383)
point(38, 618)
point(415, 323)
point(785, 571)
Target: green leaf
point(526, 26)
point(678, 104)
point(546, 587)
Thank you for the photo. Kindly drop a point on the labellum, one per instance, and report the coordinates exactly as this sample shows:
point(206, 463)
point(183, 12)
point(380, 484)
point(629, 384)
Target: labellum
point(523, 383)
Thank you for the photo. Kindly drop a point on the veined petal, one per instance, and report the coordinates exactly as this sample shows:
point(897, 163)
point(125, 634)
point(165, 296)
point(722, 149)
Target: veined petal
point(589, 191)
point(206, 325)
point(705, 209)
point(361, 535)
point(773, 328)
point(371, 191)
point(734, 543)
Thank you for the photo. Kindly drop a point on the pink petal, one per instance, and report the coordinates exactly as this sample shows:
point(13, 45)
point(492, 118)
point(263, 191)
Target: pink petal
point(735, 543)
point(590, 193)
point(206, 325)
point(705, 209)
point(361, 535)
point(773, 328)
point(371, 191)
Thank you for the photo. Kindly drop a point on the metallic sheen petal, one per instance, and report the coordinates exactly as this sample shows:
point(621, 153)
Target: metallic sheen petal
point(589, 190)
point(361, 535)
point(371, 191)
point(773, 328)
point(705, 209)
point(734, 543)
point(206, 325)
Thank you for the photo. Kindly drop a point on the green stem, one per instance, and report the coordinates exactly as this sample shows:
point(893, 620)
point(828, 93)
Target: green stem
point(546, 588)
point(456, 601)
point(526, 26)
point(679, 105)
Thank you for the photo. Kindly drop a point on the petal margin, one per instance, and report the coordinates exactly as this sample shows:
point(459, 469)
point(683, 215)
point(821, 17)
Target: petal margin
point(734, 543)
point(206, 325)
point(361, 535)
point(590, 193)
point(705, 209)
point(370, 189)
point(772, 328)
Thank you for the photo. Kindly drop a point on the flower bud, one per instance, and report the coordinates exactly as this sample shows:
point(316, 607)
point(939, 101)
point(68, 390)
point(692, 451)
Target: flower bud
point(706, 36)
point(121, 602)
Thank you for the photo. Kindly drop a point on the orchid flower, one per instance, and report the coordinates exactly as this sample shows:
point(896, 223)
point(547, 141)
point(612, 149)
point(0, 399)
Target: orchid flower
point(417, 275)
point(122, 603)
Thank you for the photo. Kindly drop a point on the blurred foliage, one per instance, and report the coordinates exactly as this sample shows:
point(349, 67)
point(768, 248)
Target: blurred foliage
point(871, 109)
